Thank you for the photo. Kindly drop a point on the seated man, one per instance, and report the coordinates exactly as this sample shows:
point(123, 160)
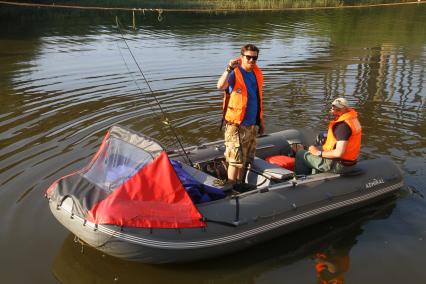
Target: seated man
point(341, 148)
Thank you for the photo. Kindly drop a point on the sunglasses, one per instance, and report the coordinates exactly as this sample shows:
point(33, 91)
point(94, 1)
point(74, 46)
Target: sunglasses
point(251, 57)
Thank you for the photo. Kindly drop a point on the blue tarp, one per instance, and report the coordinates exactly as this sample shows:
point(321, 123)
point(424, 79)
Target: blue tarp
point(199, 192)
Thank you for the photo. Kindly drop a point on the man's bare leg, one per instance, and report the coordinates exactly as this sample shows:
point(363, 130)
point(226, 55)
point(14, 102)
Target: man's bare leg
point(234, 174)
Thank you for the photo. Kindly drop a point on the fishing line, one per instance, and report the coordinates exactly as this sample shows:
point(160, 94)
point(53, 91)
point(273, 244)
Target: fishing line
point(166, 121)
point(148, 103)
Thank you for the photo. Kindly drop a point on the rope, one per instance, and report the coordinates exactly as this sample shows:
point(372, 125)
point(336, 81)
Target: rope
point(205, 10)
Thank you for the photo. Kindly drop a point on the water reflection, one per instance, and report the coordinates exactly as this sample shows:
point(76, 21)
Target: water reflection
point(325, 247)
point(331, 268)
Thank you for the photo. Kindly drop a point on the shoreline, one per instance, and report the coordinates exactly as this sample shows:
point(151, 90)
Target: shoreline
point(205, 10)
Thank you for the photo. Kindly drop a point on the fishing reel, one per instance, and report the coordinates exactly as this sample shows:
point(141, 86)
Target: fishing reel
point(321, 137)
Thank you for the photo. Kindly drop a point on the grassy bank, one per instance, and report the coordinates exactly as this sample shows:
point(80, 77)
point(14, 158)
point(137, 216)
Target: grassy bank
point(218, 4)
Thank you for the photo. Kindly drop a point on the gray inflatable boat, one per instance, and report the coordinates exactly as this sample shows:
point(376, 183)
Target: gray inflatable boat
point(120, 203)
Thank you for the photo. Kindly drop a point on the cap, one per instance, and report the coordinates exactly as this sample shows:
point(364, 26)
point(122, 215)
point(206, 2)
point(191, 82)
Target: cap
point(340, 103)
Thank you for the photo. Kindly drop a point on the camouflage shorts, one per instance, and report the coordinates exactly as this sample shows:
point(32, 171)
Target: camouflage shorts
point(240, 144)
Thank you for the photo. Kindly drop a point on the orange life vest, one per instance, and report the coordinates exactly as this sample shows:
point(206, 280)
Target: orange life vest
point(354, 143)
point(236, 108)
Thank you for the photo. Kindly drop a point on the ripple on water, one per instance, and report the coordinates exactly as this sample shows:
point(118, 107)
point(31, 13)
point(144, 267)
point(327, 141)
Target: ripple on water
point(62, 90)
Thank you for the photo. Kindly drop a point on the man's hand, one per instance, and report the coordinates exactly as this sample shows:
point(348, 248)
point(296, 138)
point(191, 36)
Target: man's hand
point(314, 150)
point(261, 130)
point(233, 63)
point(222, 83)
point(333, 154)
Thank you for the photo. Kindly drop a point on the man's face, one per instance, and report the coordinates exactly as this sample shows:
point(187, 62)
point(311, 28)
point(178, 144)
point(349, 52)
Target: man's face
point(248, 59)
point(337, 111)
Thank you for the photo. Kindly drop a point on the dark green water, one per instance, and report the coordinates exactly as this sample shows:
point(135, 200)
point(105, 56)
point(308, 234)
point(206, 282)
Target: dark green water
point(66, 77)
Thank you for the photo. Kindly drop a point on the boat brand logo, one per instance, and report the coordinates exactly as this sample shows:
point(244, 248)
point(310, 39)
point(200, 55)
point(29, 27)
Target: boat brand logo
point(238, 91)
point(374, 182)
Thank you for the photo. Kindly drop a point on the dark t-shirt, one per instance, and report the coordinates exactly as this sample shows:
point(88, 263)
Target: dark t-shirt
point(342, 131)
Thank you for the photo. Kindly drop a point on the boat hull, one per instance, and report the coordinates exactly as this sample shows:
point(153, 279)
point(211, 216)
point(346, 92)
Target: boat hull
point(240, 221)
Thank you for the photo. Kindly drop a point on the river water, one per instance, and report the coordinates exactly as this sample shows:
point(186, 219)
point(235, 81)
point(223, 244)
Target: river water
point(67, 76)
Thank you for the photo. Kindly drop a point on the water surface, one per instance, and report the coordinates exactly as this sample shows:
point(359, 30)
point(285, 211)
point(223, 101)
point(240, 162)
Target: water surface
point(67, 76)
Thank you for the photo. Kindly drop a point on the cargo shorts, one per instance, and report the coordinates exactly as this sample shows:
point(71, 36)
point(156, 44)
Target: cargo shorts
point(240, 143)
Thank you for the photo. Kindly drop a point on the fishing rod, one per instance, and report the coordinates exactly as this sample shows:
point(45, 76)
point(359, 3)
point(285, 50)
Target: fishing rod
point(166, 121)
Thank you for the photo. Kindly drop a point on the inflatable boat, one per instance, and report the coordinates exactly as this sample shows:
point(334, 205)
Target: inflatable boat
point(137, 201)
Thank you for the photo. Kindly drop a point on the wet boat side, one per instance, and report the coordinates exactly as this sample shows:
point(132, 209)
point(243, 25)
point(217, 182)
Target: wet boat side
point(263, 214)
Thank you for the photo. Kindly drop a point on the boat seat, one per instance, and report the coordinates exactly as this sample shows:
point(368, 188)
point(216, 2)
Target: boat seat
point(269, 170)
point(200, 176)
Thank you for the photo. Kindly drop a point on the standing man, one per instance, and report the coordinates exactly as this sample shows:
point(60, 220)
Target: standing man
point(342, 147)
point(243, 110)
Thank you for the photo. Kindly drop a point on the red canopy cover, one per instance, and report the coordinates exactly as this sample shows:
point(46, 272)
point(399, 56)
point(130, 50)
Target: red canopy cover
point(152, 198)
point(130, 182)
